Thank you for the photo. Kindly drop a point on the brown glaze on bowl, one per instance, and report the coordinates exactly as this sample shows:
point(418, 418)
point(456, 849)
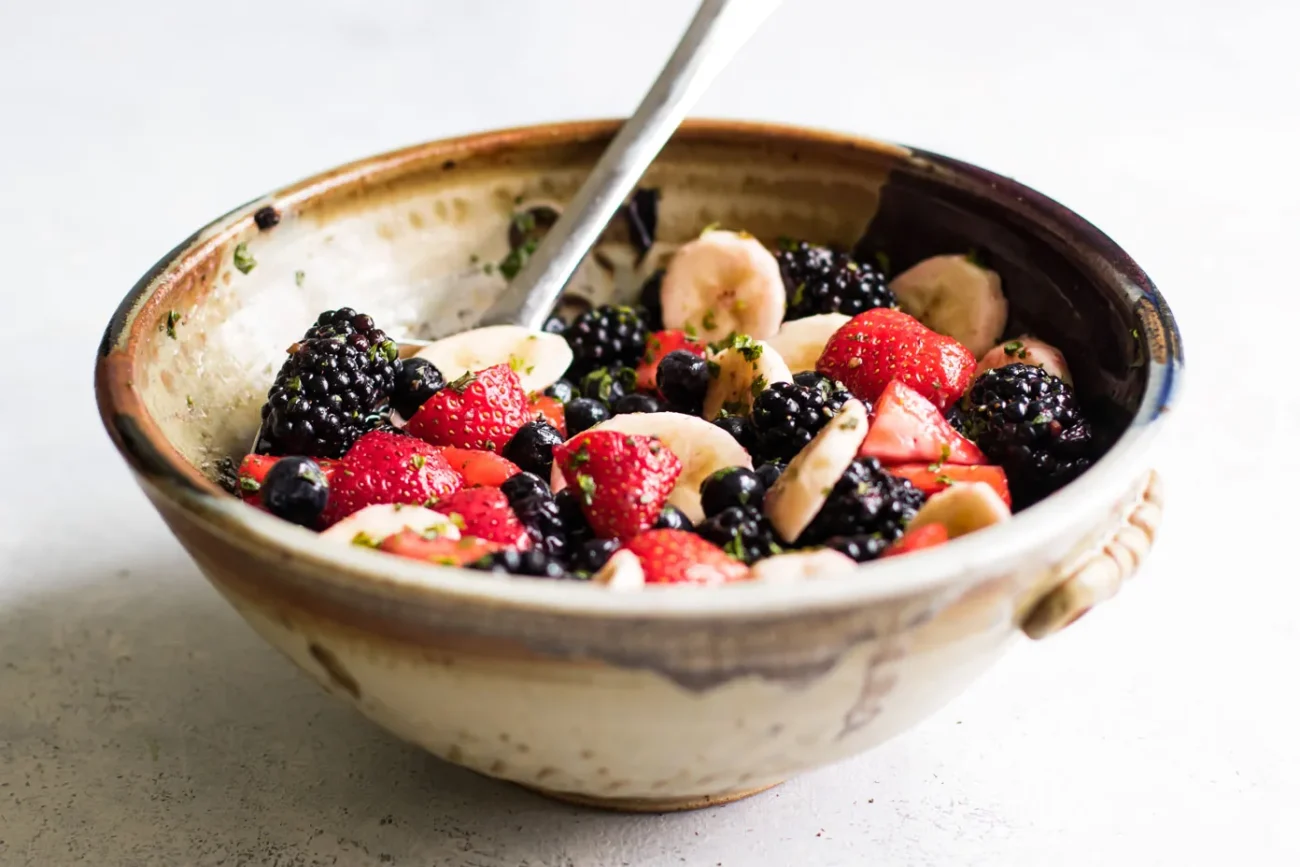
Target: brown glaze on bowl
point(669, 698)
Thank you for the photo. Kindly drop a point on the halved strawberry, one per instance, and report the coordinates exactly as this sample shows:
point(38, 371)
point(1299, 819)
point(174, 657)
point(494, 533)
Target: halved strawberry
point(478, 411)
point(253, 470)
point(679, 557)
point(383, 467)
point(479, 468)
point(549, 410)
point(933, 478)
point(486, 514)
point(657, 346)
point(623, 480)
point(445, 552)
point(928, 536)
point(906, 428)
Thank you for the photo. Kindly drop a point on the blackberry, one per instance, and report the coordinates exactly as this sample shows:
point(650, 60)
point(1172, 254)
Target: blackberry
point(824, 384)
point(865, 501)
point(650, 301)
point(673, 518)
point(683, 378)
point(417, 381)
point(295, 489)
point(541, 518)
point(731, 486)
point(859, 548)
point(608, 384)
point(340, 372)
point(582, 413)
point(521, 486)
point(533, 563)
point(554, 325)
point(787, 416)
point(740, 428)
point(742, 532)
point(592, 555)
point(822, 280)
point(530, 448)
point(608, 336)
point(562, 390)
point(769, 472)
point(1028, 422)
point(636, 402)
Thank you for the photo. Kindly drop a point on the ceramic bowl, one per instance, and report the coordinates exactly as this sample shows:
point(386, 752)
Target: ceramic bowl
point(669, 698)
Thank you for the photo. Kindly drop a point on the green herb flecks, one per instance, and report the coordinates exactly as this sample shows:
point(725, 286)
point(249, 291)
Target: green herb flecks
point(735, 546)
point(756, 387)
point(462, 382)
point(587, 485)
point(299, 277)
point(710, 320)
point(243, 259)
point(418, 461)
point(173, 319)
point(249, 485)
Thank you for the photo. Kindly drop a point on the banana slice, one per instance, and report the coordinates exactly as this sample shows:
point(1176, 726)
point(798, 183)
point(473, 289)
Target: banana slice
point(723, 283)
point(954, 296)
point(801, 341)
point(537, 357)
point(801, 490)
point(1026, 350)
point(373, 524)
point(622, 571)
point(800, 566)
point(739, 374)
point(962, 508)
point(700, 446)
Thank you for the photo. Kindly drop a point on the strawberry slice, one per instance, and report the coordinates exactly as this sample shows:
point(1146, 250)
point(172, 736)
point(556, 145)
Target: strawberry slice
point(478, 411)
point(445, 552)
point(928, 536)
point(657, 346)
point(906, 428)
point(486, 514)
point(549, 410)
point(882, 344)
point(479, 468)
point(933, 478)
point(679, 557)
point(623, 480)
point(383, 467)
point(253, 470)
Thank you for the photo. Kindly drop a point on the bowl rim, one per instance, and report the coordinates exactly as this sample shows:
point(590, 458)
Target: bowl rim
point(371, 579)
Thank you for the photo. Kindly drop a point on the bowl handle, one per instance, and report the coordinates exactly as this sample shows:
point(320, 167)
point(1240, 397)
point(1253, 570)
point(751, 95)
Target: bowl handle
point(1085, 583)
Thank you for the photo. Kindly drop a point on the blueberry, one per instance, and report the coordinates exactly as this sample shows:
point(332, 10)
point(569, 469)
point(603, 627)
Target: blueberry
point(740, 428)
point(417, 381)
point(554, 325)
point(861, 547)
point(562, 390)
point(731, 486)
point(673, 518)
point(683, 378)
point(651, 302)
point(541, 518)
point(815, 380)
point(533, 563)
point(593, 555)
point(575, 523)
point(608, 384)
point(295, 490)
point(769, 472)
point(636, 402)
point(583, 412)
point(521, 486)
point(530, 448)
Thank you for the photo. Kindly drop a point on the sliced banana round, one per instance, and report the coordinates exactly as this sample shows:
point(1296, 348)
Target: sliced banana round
point(373, 524)
point(962, 508)
point(723, 283)
point(700, 446)
point(537, 357)
point(954, 296)
point(799, 566)
point(801, 491)
point(739, 373)
point(801, 341)
point(622, 571)
point(1026, 350)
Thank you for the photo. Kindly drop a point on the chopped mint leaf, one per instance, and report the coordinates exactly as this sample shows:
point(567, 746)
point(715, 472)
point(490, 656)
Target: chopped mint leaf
point(299, 277)
point(587, 485)
point(710, 321)
point(1041, 418)
point(243, 259)
point(418, 461)
point(463, 382)
point(249, 484)
point(173, 319)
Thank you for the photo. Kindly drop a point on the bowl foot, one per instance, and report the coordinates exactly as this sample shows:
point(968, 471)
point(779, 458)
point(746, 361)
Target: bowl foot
point(648, 805)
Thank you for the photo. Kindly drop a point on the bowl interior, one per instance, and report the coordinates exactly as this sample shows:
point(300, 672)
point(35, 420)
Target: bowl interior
point(413, 239)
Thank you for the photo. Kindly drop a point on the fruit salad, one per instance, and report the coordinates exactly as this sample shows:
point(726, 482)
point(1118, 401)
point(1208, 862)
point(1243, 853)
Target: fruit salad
point(759, 414)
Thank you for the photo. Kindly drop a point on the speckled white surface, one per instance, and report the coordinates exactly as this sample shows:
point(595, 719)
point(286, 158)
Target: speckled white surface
point(141, 723)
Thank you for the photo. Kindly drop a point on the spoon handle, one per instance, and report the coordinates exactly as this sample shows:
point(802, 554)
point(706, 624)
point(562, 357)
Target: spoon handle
point(717, 32)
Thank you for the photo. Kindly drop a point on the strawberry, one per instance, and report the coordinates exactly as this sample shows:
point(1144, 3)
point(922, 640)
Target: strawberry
point(927, 536)
point(623, 480)
point(445, 552)
point(906, 428)
point(883, 344)
point(478, 411)
point(657, 346)
point(253, 470)
point(549, 410)
point(486, 514)
point(479, 468)
point(933, 478)
point(679, 557)
point(383, 467)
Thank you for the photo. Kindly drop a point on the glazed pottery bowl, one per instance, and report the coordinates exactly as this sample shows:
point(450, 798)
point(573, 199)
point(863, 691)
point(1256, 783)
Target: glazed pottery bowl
point(671, 697)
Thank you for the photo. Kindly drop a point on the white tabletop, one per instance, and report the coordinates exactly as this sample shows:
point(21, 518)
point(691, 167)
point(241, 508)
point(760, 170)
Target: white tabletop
point(142, 723)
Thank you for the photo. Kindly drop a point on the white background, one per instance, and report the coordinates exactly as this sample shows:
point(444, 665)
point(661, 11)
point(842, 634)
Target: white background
point(141, 723)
